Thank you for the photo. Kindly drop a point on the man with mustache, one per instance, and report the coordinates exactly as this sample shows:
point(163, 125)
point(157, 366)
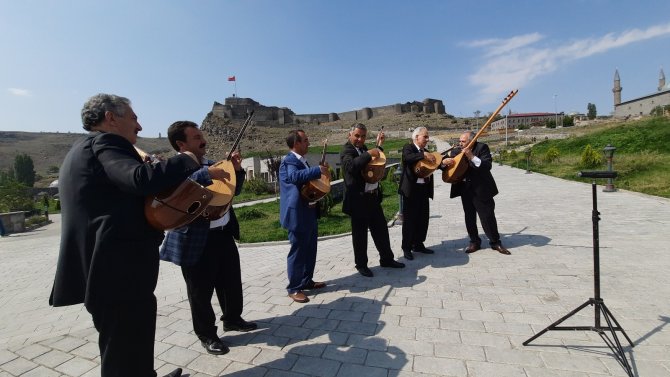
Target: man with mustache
point(206, 251)
point(362, 201)
point(108, 252)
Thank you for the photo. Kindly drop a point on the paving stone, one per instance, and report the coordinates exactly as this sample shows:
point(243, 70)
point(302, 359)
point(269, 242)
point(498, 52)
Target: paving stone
point(446, 314)
point(76, 366)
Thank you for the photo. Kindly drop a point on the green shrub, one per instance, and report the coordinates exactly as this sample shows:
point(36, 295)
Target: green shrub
point(551, 155)
point(256, 185)
point(251, 214)
point(590, 157)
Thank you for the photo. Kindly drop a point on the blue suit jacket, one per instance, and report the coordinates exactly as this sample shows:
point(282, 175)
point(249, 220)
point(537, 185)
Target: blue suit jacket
point(184, 246)
point(294, 212)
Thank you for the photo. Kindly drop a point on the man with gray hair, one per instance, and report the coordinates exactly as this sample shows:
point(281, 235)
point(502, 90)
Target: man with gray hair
point(415, 193)
point(477, 189)
point(108, 256)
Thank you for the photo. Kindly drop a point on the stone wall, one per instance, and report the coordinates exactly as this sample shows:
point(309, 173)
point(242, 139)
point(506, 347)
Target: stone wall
point(237, 108)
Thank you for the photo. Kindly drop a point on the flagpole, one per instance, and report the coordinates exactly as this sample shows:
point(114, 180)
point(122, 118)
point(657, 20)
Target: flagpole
point(235, 86)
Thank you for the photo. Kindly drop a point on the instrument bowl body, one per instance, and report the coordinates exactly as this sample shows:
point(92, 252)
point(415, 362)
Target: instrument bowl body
point(178, 206)
point(316, 189)
point(425, 168)
point(216, 212)
point(374, 170)
point(223, 191)
point(456, 172)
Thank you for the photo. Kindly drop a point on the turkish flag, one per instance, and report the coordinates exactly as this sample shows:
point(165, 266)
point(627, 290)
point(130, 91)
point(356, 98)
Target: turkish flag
point(231, 78)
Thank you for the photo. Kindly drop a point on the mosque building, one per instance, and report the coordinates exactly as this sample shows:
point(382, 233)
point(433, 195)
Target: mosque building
point(642, 105)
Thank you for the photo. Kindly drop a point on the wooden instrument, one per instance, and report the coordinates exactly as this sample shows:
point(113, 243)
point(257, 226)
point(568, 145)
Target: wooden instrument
point(178, 206)
point(456, 172)
point(374, 170)
point(316, 189)
point(224, 191)
point(425, 168)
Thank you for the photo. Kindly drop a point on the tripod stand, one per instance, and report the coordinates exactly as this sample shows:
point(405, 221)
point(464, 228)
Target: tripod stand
point(600, 308)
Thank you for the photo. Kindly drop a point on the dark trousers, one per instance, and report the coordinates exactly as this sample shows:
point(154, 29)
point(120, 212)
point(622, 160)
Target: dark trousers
point(301, 258)
point(217, 270)
point(485, 208)
point(126, 337)
point(415, 214)
point(371, 217)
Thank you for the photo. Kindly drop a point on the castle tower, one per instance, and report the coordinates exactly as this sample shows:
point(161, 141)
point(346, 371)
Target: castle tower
point(661, 80)
point(617, 88)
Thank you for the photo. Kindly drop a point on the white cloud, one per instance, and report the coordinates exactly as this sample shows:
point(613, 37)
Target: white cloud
point(20, 92)
point(514, 62)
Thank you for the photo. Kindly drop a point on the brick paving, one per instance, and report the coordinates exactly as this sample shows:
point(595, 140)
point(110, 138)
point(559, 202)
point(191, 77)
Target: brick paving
point(446, 314)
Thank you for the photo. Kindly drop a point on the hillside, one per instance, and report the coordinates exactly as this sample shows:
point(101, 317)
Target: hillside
point(48, 149)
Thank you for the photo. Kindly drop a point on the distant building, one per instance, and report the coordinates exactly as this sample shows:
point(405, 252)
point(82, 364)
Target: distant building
point(641, 105)
point(513, 121)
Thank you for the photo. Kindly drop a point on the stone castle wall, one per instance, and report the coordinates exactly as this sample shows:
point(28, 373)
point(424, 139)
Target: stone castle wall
point(237, 108)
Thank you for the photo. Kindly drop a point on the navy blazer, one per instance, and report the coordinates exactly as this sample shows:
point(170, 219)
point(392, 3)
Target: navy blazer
point(294, 211)
point(184, 246)
point(478, 179)
point(410, 156)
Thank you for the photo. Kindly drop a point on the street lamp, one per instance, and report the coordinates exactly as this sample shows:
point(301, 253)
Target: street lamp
point(396, 177)
point(555, 111)
point(608, 151)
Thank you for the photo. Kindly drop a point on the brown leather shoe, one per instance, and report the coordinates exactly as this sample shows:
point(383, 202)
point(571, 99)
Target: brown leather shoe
point(501, 249)
point(316, 285)
point(472, 247)
point(298, 297)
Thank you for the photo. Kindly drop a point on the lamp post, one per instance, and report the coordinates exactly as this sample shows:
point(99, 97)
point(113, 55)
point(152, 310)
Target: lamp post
point(396, 178)
point(555, 111)
point(528, 151)
point(608, 151)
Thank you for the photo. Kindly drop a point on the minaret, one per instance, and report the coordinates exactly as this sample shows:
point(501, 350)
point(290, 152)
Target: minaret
point(661, 80)
point(617, 88)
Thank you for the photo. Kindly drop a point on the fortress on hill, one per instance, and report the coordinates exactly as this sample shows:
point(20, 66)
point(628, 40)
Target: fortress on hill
point(236, 108)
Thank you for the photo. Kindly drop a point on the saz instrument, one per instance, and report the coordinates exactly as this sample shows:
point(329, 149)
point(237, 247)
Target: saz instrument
point(374, 170)
point(456, 172)
point(425, 167)
point(316, 189)
point(224, 191)
point(177, 206)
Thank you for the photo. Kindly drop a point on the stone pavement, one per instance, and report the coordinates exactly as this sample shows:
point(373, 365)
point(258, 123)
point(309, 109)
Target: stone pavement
point(446, 314)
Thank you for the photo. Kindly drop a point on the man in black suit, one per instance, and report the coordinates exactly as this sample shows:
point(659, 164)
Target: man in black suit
point(477, 189)
point(415, 193)
point(362, 201)
point(109, 253)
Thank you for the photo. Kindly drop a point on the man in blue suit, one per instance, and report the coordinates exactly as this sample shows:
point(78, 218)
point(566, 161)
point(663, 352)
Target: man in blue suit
point(205, 249)
point(299, 216)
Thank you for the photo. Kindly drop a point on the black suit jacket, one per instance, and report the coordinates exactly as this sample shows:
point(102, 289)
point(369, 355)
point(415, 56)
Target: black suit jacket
point(410, 156)
point(477, 179)
point(108, 251)
point(352, 167)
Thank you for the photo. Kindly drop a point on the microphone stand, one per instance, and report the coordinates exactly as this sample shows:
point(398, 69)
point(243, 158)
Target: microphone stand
point(600, 308)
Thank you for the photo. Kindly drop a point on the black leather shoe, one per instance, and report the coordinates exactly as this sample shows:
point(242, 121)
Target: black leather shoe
point(239, 325)
point(472, 247)
point(365, 272)
point(407, 254)
point(392, 264)
point(174, 373)
point(501, 249)
point(423, 250)
point(215, 347)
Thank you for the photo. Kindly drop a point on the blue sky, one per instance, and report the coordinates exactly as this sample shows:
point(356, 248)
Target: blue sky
point(173, 58)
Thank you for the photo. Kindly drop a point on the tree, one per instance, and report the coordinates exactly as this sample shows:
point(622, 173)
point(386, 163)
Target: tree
point(592, 113)
point(14, 196)
point(24, 169)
